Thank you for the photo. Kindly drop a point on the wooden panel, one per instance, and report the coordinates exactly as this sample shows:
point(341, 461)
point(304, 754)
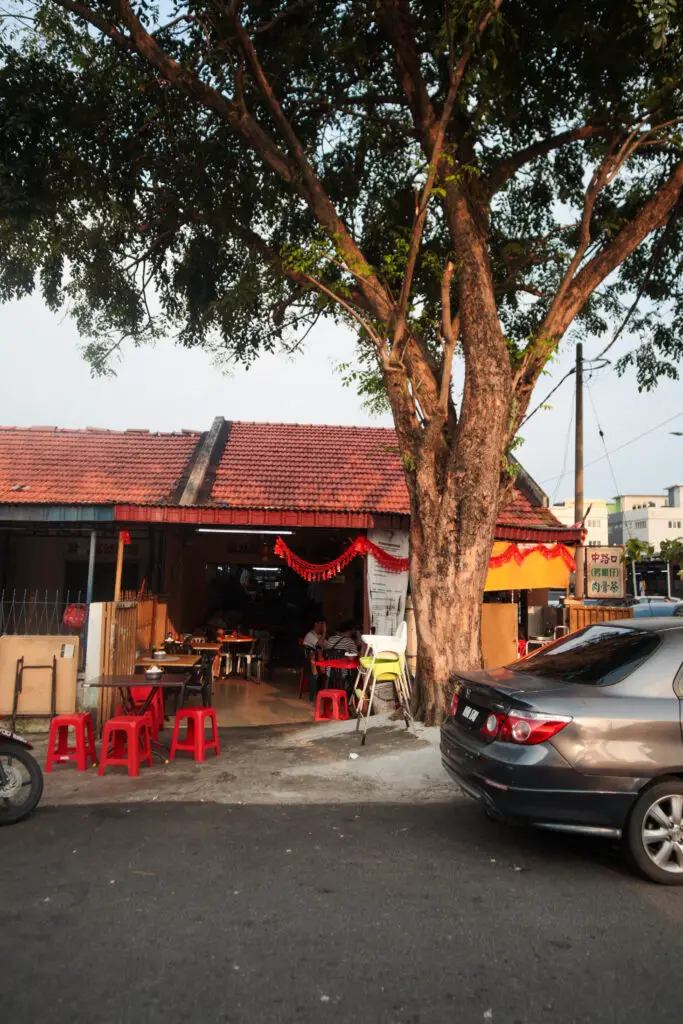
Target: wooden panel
point(152, 623)
point(581, 615)
point(37, 683)
point(119, 626)
point(498, 634)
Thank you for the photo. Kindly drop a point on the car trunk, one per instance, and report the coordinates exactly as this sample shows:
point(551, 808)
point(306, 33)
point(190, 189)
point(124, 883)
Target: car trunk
point(497, 692)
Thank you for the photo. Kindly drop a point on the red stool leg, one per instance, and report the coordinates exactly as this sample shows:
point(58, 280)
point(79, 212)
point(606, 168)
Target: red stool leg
point(176, 735)
point(49, 761)
point(146, 746)
point(214, 730)
point(90, 739)
point(81, 754)
point(104, 752)
point(133, 753)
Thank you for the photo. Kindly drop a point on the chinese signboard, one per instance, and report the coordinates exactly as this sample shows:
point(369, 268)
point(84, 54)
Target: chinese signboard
point(605, 573)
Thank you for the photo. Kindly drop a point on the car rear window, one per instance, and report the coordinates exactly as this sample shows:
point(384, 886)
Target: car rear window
point(597, 655)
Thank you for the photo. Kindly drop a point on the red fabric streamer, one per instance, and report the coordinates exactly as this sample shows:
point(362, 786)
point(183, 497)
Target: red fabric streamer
point(362, 546)
point(512, 552)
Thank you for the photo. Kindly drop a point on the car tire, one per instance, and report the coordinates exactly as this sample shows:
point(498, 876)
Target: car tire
point(653, 837)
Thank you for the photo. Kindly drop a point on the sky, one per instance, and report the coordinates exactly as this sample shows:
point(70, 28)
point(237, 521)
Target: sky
point(46, 382)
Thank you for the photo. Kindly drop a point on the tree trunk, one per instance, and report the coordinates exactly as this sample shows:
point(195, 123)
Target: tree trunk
point(448, 574)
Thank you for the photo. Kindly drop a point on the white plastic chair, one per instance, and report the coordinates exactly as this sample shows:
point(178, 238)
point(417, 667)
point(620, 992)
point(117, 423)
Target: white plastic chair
point(381, 647)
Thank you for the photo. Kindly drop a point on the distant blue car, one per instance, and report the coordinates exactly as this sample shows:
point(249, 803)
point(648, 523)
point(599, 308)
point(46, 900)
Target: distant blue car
point(656, 608)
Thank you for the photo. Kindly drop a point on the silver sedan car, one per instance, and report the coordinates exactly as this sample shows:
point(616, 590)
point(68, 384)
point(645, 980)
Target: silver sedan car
point(585, 735)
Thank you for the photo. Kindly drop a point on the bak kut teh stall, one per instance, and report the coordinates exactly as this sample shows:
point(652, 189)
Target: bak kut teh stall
point(204, 512)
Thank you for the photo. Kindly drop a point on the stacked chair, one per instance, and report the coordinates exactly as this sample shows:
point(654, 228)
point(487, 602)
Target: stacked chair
point(384, 661)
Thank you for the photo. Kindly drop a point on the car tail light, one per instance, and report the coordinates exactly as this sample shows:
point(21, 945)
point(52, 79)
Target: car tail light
point(454, 706)
point(531, 728)
point(525, 729)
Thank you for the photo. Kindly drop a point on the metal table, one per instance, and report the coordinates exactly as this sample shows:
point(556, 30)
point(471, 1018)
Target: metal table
point(125, 683)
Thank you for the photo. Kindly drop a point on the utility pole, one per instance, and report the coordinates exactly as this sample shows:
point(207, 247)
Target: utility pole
point(578, 475)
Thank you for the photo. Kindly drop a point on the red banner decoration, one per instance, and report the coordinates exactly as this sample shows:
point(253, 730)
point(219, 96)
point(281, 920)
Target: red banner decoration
point(512, 552)
point(125, 537)
point(362, 546)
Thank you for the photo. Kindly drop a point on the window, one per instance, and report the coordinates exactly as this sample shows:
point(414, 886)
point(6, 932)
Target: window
point(674, 524)
point(598, 655)
point(640, 524)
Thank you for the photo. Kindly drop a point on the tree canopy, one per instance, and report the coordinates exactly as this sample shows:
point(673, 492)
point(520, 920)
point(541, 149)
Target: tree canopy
point(151, 207)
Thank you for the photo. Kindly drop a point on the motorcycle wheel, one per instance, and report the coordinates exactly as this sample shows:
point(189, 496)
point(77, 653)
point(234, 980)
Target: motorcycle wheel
point(23, 783)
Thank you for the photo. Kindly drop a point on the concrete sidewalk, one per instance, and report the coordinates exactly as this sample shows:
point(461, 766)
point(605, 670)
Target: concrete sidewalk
point(276, 765)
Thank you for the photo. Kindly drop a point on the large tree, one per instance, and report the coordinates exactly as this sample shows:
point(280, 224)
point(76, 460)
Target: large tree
point(458, 181)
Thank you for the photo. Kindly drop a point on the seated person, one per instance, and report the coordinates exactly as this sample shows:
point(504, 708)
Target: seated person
point(342, 642)
point(313, 643)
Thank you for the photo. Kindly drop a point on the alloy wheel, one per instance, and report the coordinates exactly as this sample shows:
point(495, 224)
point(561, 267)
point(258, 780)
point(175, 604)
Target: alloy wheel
point(662, 833)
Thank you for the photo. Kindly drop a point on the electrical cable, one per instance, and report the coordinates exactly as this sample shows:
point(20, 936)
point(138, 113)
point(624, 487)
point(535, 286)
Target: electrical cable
point(566, 455)
point(549, 395)
point(645, 433)
point(601, 432)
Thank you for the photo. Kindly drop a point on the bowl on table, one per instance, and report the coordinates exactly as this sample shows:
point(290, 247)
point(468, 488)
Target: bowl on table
point(153, 672)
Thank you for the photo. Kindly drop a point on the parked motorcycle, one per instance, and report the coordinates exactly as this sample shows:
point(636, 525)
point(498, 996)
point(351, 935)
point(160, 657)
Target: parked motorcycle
point(21, 778)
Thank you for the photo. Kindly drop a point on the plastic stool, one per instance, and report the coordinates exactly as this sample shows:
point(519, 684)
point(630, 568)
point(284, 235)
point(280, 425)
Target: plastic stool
point(130, 736)
point(331, 705)
point(140, 695)
point(58, 748)
point(149, 717)
point(195, 740)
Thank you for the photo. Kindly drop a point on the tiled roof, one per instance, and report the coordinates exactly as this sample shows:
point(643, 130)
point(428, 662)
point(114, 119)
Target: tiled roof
point(520, 512)
point(263, 466)
point(290, 466)
point(336, 469)
point(44, 465)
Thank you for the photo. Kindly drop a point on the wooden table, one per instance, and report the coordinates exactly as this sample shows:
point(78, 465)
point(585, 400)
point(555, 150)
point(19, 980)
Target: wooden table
point(171, 663)
point(214, 647)
point(236, 639)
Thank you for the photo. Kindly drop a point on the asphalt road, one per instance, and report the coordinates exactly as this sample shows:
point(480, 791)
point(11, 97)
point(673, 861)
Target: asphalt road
point(172, 913)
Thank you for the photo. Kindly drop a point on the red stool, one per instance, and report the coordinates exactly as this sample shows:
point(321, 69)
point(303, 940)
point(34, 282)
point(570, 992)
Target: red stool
point(148, 717)
point(131, 743)
point(331, 705)
point(195, 738)
point(58, 748)
point(140, 695)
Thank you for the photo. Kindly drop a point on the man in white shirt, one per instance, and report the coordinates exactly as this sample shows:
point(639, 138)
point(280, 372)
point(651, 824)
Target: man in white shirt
point(313, 643)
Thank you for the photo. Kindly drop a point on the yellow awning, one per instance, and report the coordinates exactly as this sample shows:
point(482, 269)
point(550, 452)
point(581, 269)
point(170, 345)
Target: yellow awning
point(535, 573)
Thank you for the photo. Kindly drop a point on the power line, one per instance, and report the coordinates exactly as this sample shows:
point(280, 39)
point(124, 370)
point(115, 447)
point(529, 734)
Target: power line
point(549, 395)
point(566, 453)
point(633, 440)
point(607, 456)
point(593, 369)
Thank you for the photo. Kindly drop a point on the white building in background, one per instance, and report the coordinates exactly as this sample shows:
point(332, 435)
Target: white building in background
point(596, 519)
point(648, 517)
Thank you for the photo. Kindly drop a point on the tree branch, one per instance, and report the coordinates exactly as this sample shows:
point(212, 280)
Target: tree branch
point(311, 187)
point(451, 330)
point(82, 11)
point(651, 216)
point(189, 83)
point(265, 26)
point(515, 161)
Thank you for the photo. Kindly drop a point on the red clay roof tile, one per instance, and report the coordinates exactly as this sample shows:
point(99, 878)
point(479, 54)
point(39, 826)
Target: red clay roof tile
point(263, 466)
point(91, 467)
point(323, 468)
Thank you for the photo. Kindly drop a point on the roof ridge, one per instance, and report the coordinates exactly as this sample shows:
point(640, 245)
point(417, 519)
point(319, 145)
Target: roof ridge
point(99, 431)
